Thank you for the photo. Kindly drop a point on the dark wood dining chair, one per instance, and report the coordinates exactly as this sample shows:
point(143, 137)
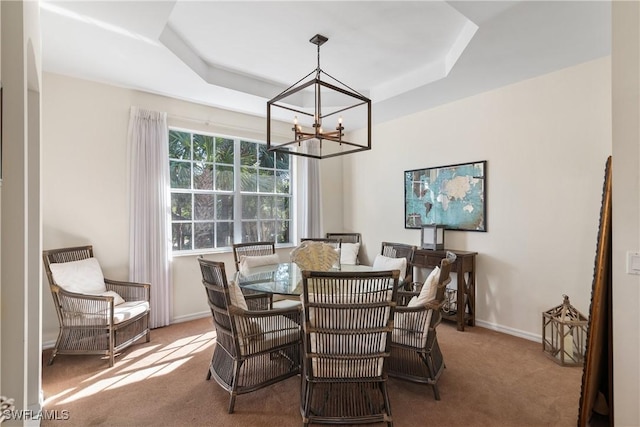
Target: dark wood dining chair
point(254, 348)
point(415, 352)
point(252, 249)
point(399, 250)
point(348, 319)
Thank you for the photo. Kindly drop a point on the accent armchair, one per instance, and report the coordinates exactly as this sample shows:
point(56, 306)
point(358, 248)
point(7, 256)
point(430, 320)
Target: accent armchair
point(96, 315)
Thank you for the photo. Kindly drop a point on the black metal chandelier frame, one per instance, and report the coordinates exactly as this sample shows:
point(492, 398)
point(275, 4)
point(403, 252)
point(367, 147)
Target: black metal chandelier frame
point(333, 136)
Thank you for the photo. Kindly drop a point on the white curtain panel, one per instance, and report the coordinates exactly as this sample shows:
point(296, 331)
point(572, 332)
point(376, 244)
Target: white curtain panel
point(310, 198)
point(150, 220)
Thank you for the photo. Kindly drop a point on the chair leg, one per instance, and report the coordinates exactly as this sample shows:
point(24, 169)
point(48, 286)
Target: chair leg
point(112, 356)
point(232, 402)
point(387, 403)
point(148, 335)
point(436, 392)
point(53, 356)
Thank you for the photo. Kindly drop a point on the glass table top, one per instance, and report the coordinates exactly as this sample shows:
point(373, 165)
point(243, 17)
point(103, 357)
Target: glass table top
point(284, 278)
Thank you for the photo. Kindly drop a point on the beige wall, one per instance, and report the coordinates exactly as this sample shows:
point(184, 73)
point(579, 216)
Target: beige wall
point(546, 141)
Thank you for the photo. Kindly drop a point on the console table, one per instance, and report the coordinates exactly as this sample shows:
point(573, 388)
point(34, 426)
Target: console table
point(465, 269)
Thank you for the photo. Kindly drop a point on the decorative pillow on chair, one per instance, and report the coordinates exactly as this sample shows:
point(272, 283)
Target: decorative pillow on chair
point(349, 253)
point(117, 299)
point(382, 262)
point(429, 289)
point(250, 261)
point(236, 296)
point(82, 277)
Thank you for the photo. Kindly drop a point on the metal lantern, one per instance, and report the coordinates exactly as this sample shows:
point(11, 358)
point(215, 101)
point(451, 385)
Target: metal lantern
point(433, 236)
point(564, 334)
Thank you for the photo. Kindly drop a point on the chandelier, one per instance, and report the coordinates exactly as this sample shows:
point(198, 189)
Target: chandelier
point(328, 101)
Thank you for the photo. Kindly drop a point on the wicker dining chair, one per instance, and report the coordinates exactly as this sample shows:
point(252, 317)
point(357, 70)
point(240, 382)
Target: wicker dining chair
point(348, 319)
point(93, 323)
point(254, 348)
point(252, 249)
point(399, 250)
point(258, 300)
point(415, 352)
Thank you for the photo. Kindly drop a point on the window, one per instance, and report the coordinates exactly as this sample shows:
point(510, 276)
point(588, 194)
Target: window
point(226, 190)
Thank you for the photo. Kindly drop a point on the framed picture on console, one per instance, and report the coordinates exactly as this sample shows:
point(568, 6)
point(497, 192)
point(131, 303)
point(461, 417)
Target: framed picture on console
point(452, 195)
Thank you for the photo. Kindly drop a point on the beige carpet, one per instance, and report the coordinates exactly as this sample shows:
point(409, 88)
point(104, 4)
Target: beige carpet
point(492, 379)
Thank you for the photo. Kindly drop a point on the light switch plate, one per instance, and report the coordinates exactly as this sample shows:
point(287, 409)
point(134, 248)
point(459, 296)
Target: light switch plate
point(633, 262)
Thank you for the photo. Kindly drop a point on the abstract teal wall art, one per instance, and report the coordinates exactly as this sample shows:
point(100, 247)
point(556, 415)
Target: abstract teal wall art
point(452, 195)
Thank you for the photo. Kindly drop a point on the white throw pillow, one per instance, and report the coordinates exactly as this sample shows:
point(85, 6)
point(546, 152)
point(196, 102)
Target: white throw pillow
point(382, 262)
point(349, 253)
point(250, 261)
point(117, 299)
point(82, 277)
point(429, 289)
point(236, 296)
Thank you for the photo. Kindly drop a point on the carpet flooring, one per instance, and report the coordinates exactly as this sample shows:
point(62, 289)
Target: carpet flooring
point(491, 379)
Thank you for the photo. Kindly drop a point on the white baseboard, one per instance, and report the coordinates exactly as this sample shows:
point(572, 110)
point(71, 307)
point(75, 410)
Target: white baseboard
point(189, 317)
point(509, 331)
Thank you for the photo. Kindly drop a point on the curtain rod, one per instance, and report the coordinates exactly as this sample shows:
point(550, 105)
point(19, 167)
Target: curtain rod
point(208, 122)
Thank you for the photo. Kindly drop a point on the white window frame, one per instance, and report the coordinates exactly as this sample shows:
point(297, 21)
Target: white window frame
point(237, 193)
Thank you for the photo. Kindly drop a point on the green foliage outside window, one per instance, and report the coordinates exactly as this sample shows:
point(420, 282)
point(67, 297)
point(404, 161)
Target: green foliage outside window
point(218, 200)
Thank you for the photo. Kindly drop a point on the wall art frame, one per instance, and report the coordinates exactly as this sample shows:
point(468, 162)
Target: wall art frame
point(452, 195)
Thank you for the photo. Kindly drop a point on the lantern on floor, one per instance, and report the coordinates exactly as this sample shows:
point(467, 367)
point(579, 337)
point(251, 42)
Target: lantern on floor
point(564, 334)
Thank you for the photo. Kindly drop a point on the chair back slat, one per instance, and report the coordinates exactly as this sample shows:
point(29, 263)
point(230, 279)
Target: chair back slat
point(348, 322)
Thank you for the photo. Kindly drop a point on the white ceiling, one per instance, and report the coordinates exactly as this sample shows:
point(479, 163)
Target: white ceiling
point(405, 55)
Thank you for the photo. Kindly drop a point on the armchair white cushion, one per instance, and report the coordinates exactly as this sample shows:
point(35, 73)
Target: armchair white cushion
point(82, 277)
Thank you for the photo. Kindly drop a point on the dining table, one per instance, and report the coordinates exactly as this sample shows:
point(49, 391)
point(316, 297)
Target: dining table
point(284, 278)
